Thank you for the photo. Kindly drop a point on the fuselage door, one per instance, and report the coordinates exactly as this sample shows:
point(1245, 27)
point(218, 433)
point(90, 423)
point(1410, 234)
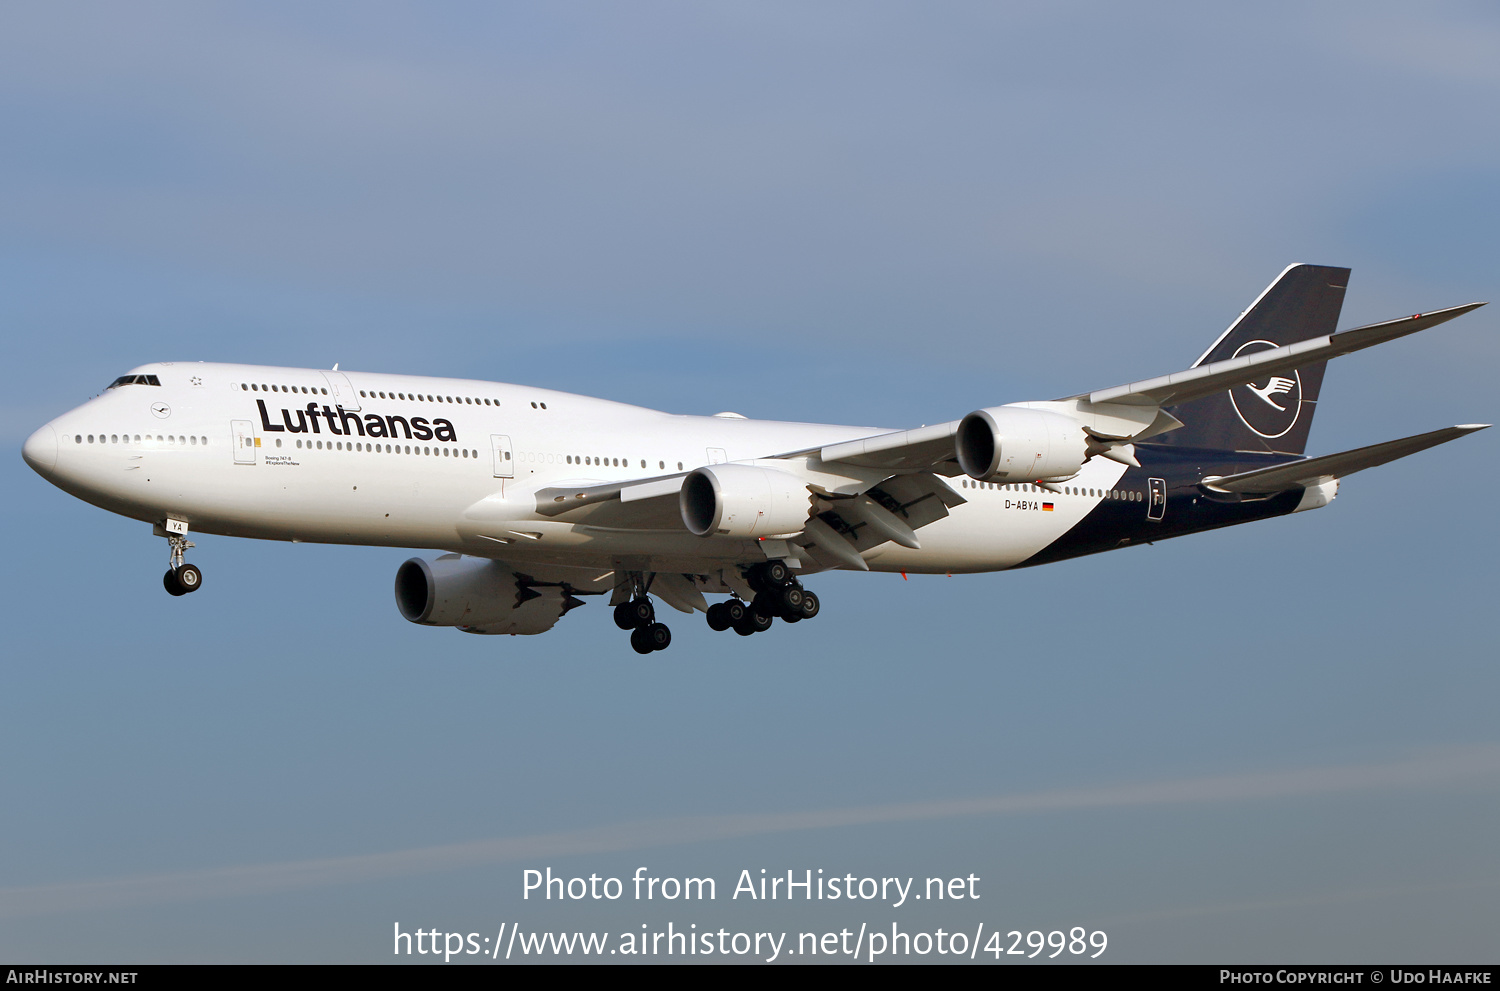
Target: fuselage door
point(1157, 507)
point(716, 456)
point(343, 393)
point(504, 466)
point(244, 441)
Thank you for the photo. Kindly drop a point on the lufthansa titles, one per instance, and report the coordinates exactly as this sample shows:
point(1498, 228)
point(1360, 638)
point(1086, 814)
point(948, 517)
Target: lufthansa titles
point(343, 423)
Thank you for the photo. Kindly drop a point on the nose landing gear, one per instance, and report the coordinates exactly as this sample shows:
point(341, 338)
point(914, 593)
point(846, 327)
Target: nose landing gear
point(181, 578)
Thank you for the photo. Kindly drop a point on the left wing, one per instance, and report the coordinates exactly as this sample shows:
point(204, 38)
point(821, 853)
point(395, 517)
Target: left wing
point(643, 504)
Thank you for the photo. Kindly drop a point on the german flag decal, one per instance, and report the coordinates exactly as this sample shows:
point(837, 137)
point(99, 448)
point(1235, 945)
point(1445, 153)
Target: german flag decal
point(1046, 507)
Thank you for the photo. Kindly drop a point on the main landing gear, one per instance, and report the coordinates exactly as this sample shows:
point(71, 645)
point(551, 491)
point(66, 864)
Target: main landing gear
point(181, 578)
point(639, 616)
point(778, 595)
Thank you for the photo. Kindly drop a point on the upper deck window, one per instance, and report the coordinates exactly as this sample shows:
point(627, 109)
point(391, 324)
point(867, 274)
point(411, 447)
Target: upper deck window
point(133, 380)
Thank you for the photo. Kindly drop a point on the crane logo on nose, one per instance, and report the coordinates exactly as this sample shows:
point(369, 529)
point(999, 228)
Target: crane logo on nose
point(161, 410)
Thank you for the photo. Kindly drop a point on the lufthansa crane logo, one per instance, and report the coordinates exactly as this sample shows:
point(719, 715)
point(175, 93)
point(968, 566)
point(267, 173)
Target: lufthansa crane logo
point(161, 410)
point(1268, 406)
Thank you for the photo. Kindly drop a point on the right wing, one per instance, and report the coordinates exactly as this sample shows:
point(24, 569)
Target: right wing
point(1204, 380)
point(1117, 416)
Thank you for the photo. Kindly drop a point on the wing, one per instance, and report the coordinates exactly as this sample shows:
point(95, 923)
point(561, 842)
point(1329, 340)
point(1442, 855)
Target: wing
point(639, 504)
point(886, 486)
point(1203, 380)
point(1112, 418)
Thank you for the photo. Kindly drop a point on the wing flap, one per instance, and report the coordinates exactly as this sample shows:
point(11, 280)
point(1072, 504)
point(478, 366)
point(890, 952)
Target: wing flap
point(1300, 474)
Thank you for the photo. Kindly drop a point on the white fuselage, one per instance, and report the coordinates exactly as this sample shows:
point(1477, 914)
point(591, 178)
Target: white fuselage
point(454, 464)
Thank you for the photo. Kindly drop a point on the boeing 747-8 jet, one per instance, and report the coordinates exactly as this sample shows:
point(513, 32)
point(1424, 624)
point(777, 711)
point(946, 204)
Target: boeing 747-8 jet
point(539, 499)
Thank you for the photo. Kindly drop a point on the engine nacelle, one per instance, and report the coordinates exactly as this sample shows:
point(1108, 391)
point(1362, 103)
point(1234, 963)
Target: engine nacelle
point(477, 595)
point(1011, 443)
point(744, 501)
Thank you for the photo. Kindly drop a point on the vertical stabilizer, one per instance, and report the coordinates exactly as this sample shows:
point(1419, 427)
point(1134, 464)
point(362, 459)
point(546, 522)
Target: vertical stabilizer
point(1273, 415)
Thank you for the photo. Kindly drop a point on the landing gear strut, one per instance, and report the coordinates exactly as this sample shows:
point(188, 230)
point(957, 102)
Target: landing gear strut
point(181, 578)
point(638, 615)
point(778, 594)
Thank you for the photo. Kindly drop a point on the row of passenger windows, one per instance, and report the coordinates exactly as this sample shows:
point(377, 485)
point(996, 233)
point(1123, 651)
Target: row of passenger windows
point(372, 394)
point(253, 387)
point(150, 438)
point(424, 397)
point(1125, 494)
point(338, 445)
point(574, 459)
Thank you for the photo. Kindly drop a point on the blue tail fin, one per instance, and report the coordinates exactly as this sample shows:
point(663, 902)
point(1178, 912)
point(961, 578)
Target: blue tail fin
point(1274, 415)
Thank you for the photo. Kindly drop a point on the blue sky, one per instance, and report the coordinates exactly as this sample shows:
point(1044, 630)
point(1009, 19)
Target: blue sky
point(1271, 743)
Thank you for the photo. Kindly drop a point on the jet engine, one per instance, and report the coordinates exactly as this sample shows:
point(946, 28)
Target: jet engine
point(744, 501)
point(1010, 443)
point(476, 595)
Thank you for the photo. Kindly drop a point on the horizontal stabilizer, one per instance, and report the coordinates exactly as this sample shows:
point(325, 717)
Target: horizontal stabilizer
point(1204, 380)
point(1301, 474)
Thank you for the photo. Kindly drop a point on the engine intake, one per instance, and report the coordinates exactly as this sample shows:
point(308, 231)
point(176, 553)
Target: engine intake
point(476, 595)
point(743, 501)
point(1017, 444)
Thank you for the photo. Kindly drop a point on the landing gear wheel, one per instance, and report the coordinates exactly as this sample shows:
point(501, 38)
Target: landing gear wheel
point(658, 636)
point(776, 573)
point(642, 612)
point(634, 614)
point(810, 605)
point(180, 578)
point(753, 622)
point(718, 618)
point(789, 599)
point(189, 578)
point(641, 642)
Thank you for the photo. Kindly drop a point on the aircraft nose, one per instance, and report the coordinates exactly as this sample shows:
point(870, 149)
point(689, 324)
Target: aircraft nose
point(40, 450)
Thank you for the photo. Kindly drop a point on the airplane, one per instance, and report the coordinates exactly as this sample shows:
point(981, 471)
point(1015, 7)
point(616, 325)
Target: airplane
point(538, 498)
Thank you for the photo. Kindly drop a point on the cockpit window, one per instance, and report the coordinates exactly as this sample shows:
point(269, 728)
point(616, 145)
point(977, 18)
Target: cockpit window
point(134, 380)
